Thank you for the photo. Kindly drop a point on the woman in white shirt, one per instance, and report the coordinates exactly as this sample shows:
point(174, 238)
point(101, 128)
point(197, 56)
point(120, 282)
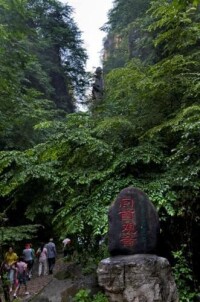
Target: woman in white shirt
point(42, 256)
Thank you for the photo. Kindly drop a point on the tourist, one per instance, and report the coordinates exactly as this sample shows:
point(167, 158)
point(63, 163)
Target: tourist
point(51, 254)
point(66, 242)
point(10, 260)
point(29, 255)
point(42, 257)
point(21, 272)
point(4, 269)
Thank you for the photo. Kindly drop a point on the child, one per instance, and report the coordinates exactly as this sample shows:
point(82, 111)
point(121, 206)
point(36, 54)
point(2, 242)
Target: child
point(21, 271)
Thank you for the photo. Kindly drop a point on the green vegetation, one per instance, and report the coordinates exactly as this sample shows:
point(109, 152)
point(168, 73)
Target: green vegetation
point(84, 296)
point(42, 68)
point(63, 171)
point(183, 276)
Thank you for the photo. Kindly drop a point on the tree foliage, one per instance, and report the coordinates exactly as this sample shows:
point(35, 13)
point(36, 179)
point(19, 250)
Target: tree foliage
point(58, 47)
point(123, 13)
point(42, 67)
point(144, 133)
point(19, 104)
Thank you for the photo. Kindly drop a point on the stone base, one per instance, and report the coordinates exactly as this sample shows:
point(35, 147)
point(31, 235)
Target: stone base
point(137, 278)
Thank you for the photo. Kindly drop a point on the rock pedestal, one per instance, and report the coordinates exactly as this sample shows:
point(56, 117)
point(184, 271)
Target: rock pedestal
point(137, 278)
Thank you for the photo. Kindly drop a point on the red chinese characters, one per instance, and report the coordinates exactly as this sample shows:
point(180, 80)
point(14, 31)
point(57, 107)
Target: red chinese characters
point(127, 242)
point(128, 228)
point(127, 216)
point(127, 203)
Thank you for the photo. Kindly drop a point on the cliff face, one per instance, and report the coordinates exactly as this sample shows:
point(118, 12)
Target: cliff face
point(61, 95)
point(112, 42)
point(131, 43)
point(140, 45)
point(125, 35)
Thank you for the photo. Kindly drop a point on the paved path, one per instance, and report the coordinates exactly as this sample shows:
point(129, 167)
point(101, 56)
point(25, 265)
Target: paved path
point(36, 284)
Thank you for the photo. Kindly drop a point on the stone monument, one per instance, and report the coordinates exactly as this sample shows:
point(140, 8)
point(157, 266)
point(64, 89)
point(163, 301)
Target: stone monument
point(134, 273)
point(133, 224)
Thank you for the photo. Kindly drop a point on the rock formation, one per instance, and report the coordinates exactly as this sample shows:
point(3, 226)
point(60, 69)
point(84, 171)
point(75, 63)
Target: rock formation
point(98, 85)
point(133, 274)
point(137, 278)
point(133, 224)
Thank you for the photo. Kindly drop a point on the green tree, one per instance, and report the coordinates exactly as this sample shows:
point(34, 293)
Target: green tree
point(21, 107)
point(117, 44)
point(161, 98)
point(42, 68)
point(123, 13)
point(144, 133)
point(58, 48)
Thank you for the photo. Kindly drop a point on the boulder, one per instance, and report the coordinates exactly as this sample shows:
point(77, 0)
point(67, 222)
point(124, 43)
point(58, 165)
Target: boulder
point(133, 224)
point(137, 278)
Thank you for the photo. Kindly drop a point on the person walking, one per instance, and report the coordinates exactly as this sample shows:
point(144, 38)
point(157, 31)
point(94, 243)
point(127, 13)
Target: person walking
point(10, 260)
point(29, 256)
point(51, 255)
point(4, 269)
point(21, 272)
point(42, 256)
point(66, 242)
